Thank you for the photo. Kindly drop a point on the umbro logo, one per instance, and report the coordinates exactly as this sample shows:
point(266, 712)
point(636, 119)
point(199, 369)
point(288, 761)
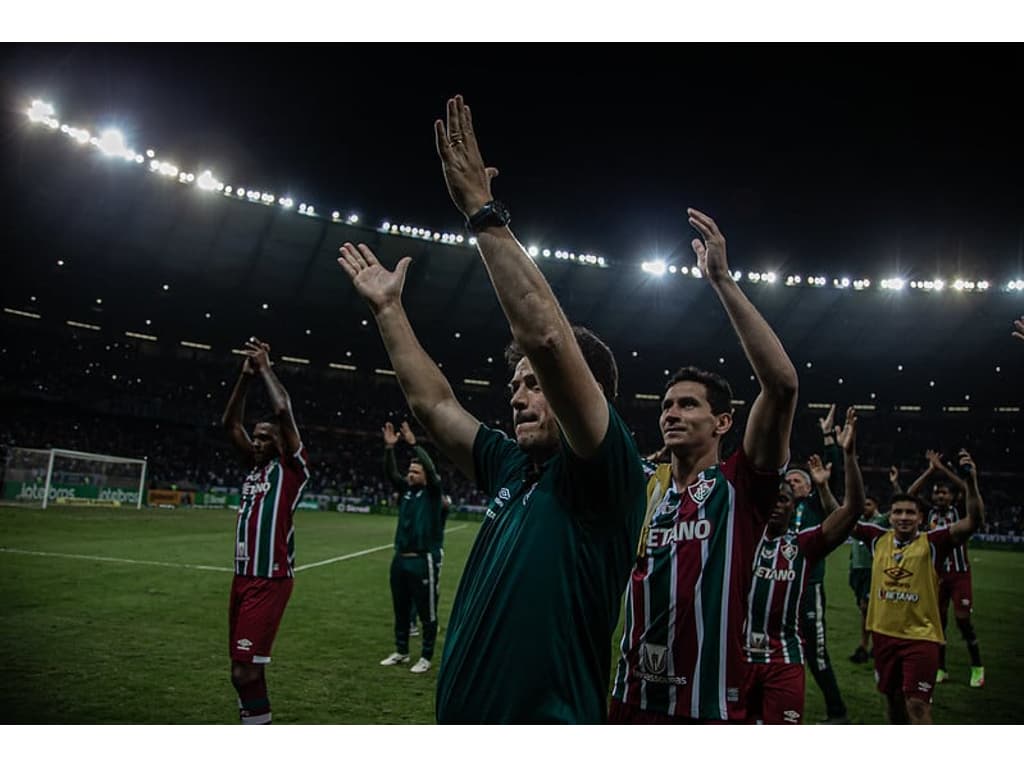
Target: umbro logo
point(244, 644)
point(898, 573)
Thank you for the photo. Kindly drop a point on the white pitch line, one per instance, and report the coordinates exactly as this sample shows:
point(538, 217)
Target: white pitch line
point(359, 554)
point(220, 568)
point(117, 560)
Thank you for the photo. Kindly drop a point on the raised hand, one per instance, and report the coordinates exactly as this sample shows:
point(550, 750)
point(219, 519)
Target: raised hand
point(820, 473)
point(711, 259)
point(390, 436)
point(966, 463)
point(894, 474)
point(257, 356)
point(407, 434)
point(379, 286)
point(847, 436)
point(934, 459)
point(468, 180)
point(827, 422)
point(1019, 325)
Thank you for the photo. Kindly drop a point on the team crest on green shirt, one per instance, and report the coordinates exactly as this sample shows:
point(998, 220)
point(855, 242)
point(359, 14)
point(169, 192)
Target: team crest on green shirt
point(700, 490)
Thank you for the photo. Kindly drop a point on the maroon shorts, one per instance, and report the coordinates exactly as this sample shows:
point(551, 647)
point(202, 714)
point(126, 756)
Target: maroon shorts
point(906, 665)
point(775, 694)
point(254, 614)
point(627, 714)
point(956, 587)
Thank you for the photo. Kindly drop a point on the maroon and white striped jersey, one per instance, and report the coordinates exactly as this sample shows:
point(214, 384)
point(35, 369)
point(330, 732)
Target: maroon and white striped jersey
point(265, 531)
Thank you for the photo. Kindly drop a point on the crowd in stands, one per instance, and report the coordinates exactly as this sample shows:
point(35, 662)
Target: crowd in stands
point(118, 398)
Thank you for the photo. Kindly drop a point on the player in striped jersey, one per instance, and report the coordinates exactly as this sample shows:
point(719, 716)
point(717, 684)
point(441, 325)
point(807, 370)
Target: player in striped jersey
point(903, 614)
point(814, 502)
point(785, 558)
point(264, 533)
point(955, 573)
point(682, 646)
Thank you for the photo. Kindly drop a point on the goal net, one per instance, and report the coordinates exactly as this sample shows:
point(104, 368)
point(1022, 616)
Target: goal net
point(55, 476)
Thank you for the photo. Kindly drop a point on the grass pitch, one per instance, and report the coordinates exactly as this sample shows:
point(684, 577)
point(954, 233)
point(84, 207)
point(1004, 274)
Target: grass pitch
point(120, 616)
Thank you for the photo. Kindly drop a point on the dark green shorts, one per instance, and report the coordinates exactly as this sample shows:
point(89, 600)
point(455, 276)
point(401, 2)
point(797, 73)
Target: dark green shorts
point(860, 583)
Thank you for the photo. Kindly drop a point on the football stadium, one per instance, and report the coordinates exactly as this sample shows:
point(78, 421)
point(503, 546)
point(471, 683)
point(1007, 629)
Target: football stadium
point(171, 242)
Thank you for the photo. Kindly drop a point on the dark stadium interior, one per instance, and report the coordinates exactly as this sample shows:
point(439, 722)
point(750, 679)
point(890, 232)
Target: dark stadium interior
point(95, 241)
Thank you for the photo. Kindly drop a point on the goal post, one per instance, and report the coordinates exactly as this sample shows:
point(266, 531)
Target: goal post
point(46, 476)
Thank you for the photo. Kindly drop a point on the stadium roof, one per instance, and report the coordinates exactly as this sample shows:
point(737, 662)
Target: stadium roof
point(122, 233)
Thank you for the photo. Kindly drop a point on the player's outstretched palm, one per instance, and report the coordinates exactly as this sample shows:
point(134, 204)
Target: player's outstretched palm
point(1019, 325)
point(711, 259)
point(380, 286)
point(829, 421)
point(468, 179)
point(390, 436)
point(847, 436)
point(820, 473)
point(407, 433)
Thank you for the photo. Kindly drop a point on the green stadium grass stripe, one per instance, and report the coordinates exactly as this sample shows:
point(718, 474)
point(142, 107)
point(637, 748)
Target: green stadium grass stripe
point(117, 560)
point(361, 553)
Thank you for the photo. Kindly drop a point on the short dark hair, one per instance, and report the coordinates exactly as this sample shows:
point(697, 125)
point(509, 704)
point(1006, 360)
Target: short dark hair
point(873, 498)
point(598, 355)
point(271, 419)
point(907, 497)
point(718, 389)
point(944, 484)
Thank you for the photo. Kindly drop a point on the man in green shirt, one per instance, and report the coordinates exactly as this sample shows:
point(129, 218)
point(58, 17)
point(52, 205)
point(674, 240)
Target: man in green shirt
point(860, 576)
point(814, 502)
point(529, 638)
point(416, 566)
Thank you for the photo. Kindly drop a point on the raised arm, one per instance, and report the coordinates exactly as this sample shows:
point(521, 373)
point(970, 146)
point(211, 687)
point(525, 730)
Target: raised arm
point(259, 353)
point(234, 413)
point(433, 478)
point(942, 469)
point(766, 439)
point(390, 464)
point(832, 454)
point(538, 324)
point(964, 528)
point(936, 465)
point(894, 479)
point(820, 474)
point(1018, 331)
point(427, 391)
point(840, 524)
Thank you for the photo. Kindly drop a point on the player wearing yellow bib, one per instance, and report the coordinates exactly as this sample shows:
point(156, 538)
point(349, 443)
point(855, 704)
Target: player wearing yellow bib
point(903, 613)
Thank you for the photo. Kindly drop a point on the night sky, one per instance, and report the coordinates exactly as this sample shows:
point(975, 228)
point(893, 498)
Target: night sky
point(847, 159)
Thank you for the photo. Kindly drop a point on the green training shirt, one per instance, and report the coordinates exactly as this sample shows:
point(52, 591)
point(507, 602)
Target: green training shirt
point(529, 639)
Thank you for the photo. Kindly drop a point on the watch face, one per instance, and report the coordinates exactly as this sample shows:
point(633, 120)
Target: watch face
point(493, 213)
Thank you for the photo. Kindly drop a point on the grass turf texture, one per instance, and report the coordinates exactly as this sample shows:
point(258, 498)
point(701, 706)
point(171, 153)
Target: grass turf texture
point(103, 641)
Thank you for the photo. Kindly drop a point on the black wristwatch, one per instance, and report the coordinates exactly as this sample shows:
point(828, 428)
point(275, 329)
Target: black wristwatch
point(492, 214)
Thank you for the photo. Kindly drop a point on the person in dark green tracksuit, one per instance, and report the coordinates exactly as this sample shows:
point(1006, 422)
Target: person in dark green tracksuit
point(814, 503)
point(419, 536)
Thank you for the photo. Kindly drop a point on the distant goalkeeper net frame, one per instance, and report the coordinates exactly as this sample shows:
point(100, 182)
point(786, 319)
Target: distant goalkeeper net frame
point(66, 476)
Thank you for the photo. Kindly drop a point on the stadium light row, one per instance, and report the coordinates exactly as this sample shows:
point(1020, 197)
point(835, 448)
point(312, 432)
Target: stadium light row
point(149, 337)
point(112, 143)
